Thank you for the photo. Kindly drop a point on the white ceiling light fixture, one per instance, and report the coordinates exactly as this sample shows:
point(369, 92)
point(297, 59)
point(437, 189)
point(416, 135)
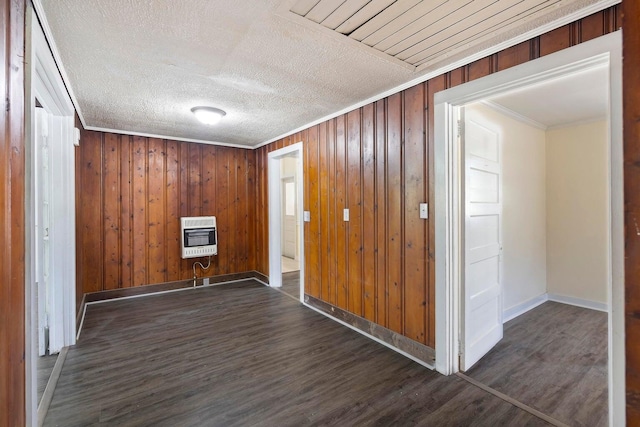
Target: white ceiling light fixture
point(208, 115)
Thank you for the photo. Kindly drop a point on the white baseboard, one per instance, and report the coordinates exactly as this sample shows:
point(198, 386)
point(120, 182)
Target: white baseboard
point(579, 302)
point(517, 310)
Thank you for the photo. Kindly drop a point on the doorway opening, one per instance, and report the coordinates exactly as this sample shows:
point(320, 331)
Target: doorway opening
point(50, 297)
point(286, 243)
point(466, 238)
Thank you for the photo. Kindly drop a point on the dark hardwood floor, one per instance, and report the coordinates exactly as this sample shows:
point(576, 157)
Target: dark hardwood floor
point(291, 284)
point(243, 354)
point(554, 359)
point(45, 367)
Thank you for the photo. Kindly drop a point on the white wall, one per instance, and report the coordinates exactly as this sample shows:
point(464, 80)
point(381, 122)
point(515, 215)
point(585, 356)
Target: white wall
point(577, 212)
point(288, 168)
point(524, 208)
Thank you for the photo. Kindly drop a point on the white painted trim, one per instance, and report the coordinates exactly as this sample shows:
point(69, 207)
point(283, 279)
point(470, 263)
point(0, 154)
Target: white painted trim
point(515, 116)
point(605, 50)
point(577, 123)
point(595, 7)
point(519, 309)
point(41, 17)
point(275, 220)
point(172, 138)
point(371, 337)
point(537, 31)
point(579, 302)
point(44, 82)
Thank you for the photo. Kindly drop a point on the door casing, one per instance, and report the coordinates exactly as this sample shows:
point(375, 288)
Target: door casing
point(275, 213)
point(449, 240)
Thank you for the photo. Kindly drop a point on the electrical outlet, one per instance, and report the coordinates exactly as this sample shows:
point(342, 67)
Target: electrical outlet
point(345, 214)
point(424, 211)
point(205, 281)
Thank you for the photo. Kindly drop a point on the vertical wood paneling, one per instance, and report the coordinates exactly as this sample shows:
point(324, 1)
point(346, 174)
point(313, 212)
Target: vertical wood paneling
point(323, 213)
point(140, 222)
point(479, 68)
point(222, 212)
point(111, 212)
point(252, 217)
point(126, 213)
point(394, 212)
point(381, 223)
point(354, 204)
point(131, 193)
point(312, 231)
point(92, 256)
point(172, 208)
point(12, 216)
point(368, 213)
point(631, 106)
point(342, 293)
point(186, 271)
point(332, 238)
point(156, 206)
point(415, 240)
point(433, 86)
point(514, 55)
point(378, 162)
point(555, 40)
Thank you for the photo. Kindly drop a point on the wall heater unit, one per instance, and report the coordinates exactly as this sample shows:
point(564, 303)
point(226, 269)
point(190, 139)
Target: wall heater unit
point(199, 236)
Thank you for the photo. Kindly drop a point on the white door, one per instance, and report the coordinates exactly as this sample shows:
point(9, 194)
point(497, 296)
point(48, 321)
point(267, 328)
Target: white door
point(289, 218)
point(481, 293)
point(42, 226)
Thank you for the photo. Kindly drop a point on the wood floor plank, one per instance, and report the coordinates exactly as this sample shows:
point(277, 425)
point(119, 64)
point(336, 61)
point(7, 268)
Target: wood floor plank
point(554, 359)
point(244, 354)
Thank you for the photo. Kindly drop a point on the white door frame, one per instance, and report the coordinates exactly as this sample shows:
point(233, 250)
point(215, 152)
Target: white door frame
point(275, 214)
point(606, 50)
point(43, 81)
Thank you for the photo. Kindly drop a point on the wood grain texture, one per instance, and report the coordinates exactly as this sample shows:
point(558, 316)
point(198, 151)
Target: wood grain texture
point(132, 191)
point(554, 359)
point(378, 162)
point(631, 107)
point(208, 357)
point(12, 215)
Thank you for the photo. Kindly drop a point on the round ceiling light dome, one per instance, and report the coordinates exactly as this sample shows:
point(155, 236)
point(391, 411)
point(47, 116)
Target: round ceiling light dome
point(208, 115)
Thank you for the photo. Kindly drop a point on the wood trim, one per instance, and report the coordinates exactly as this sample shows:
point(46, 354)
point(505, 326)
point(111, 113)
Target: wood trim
point(631, 112)
point(12, 215)
point(394, 339)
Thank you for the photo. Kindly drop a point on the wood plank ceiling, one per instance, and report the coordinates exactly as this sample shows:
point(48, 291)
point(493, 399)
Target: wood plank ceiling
point(419, 32)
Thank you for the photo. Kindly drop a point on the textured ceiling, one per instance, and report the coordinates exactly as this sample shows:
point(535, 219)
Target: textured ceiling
point(139, 66)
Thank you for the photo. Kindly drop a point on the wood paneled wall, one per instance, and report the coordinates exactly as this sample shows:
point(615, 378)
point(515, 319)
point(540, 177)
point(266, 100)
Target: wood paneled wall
point(631, 105)
point(377, 161)
point(130, 194)
point(12, 215)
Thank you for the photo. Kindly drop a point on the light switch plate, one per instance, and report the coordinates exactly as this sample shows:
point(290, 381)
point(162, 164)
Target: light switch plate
point(424, 210)
point(306, 216)
point(345, 214)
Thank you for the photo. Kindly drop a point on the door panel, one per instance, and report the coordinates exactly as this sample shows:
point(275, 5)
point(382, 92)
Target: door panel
point(42, 253)
point(482, 298)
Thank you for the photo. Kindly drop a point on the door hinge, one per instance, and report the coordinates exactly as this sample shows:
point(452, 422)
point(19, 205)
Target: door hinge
point(459, 348)
point(460, 127)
